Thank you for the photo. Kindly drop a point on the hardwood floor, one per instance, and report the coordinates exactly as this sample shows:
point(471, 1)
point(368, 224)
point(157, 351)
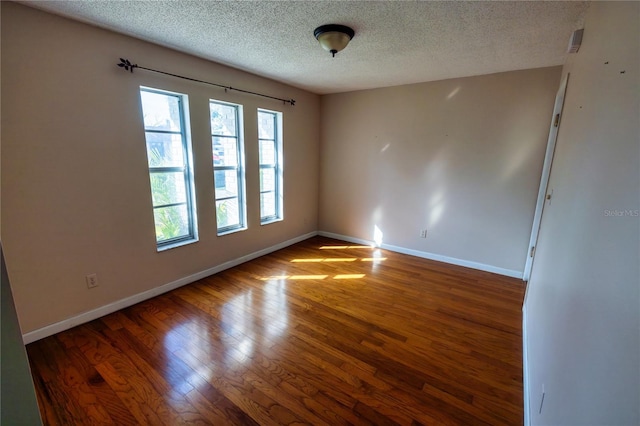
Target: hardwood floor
point(322, 332)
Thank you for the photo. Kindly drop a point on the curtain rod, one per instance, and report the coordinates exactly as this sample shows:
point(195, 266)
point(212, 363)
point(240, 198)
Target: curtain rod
point(128, 66)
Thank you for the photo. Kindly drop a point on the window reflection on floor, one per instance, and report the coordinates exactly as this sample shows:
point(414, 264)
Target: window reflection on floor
point(192, 338)
point(237, 319)
point(275, 307)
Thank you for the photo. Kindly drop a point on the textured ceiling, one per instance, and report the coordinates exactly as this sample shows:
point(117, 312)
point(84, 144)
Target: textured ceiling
point(395, 42)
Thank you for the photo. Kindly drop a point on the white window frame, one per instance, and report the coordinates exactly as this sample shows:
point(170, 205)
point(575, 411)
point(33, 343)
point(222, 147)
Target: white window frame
point(277, 167)
point(240, 169)
point(187, 171)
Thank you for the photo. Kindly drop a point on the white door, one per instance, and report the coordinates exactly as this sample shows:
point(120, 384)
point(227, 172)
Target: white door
point(543, 195)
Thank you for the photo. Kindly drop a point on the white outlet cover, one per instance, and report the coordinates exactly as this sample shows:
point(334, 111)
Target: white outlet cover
point(92, 280)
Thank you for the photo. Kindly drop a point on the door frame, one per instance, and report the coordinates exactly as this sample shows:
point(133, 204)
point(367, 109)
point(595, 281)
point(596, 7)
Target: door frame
point(543, 196)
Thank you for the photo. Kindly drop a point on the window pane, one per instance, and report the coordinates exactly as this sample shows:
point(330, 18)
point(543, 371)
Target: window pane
point(265, 125)
point(267, 152)
point(161, 111)
point(171, 222)
point(228, 173)
point(269, 148)
point(225, 151)
point(168, 146)
point(164, 150)
point(228, 213)
point(267, 180)
point(168, 188)
point(268, 204)
point(223, 119)
point(226, 183)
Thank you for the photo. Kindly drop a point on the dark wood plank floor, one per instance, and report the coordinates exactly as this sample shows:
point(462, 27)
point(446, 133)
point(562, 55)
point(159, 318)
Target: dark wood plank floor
point(322, 332)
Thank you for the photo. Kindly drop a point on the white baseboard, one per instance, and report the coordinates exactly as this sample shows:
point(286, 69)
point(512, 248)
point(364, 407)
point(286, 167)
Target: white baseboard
point(525, 369)
point(427, 255)
point(346, 238)
point(84, 317)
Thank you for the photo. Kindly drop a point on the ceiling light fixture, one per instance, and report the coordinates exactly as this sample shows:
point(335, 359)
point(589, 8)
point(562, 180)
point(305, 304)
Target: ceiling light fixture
point(333, 37)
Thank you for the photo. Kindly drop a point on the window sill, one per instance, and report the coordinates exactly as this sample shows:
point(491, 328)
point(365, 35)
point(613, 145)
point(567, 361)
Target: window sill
point(176, 244)
point(232, 231)
point(268, 221)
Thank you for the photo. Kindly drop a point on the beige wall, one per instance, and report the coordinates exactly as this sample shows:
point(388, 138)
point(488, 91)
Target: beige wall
point(75, 186)
point(583, 303)
point(461, 158)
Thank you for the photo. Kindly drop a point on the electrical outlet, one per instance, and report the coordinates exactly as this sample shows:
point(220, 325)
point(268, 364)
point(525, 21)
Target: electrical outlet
point(92, 280)
point(423, 233)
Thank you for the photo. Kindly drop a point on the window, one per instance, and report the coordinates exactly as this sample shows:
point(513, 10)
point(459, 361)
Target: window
point(270, 147)
point(170, 172)
point(228, 165)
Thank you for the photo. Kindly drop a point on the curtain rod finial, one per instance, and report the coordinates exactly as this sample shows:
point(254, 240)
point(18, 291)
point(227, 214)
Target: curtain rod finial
point(127, 65)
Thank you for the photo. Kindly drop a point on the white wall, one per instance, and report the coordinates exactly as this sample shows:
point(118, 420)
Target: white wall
point(75, 185)
point(461, 158)
point(582, 307)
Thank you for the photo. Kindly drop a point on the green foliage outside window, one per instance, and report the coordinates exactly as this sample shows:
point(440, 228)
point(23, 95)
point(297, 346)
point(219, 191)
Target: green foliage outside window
point(169, 221)
point(222, 215)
